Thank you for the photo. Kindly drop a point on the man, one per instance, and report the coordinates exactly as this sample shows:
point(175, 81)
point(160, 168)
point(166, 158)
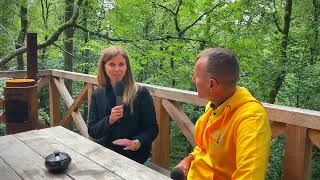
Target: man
point(233, 135)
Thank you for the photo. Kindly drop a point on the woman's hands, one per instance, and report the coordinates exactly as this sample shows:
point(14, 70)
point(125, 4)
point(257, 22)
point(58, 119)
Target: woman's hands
point(132, 145)
point(116, 114)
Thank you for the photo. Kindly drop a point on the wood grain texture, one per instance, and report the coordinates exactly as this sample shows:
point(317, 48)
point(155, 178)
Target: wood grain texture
point(314, 136)
point(75, 106)
point(277, 129)
point(42, 81)
point(78, 119)
point(297, 157)
point(23, 74)
point(120, 165)
point(6, 172)
point(160, 146)
point(27, 163)
point(181, 119)
point(54, 104)
point(80, 168)
point(294, 116)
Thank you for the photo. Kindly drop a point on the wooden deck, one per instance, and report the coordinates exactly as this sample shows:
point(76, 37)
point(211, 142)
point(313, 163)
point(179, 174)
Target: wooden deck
point(22, 157)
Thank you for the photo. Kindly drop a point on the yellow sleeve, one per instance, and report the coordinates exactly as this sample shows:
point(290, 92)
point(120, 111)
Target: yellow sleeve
point(253, 141)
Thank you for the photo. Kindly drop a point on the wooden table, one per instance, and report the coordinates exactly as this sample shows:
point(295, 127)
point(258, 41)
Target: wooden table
point(22, 157)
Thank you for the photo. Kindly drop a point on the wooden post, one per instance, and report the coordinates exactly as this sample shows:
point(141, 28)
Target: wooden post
point(32, 62)
point(54, 104)
point(90, 90)
point(297, 158)
point(160, 147)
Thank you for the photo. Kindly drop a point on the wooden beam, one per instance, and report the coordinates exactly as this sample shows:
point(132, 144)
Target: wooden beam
point(182, 120)
point(2, 119)
point(1, 103)
point(75, 76)
point(294, 116)
point(63, 91)
point(179, 95)
point(75, 106)
point(54, 104)
point(160, 147)
point(277, 129)
point(90, 90)
point(314, 136)
point(42, 81)
point(297, 157)
point(78, 119)
point(23, 73)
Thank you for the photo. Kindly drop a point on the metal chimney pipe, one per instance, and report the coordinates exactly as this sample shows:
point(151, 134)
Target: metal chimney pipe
point(32, 60)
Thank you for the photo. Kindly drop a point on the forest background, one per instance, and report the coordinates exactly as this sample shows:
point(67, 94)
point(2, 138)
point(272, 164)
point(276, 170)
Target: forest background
point(277, 43)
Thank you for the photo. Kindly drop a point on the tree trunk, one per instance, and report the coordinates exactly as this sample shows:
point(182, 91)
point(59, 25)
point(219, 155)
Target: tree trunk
point(45, 6)
point(315, 40)
point(22, 35)
point(283, 49)
point(68, 44)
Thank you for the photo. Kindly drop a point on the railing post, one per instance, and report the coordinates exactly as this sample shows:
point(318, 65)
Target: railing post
point(54, 104)
point(298, 154)
point(160, 147)
point(90, 90)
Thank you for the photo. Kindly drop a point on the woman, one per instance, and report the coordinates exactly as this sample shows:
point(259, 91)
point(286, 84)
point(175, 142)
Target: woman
point(130, 128)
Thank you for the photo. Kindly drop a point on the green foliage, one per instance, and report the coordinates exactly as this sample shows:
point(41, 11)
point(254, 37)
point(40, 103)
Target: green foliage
point(164, 37)
point(44, 117)
point(274, 171)
point(2, 129)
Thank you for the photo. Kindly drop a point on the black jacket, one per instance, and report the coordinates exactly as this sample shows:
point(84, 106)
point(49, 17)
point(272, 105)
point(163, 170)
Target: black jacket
point(141, 124)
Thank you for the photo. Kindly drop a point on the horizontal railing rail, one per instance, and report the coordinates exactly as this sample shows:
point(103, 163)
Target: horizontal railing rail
point(300, 126)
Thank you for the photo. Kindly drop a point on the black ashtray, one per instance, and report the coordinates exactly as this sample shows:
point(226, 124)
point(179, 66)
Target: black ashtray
point(57, 162)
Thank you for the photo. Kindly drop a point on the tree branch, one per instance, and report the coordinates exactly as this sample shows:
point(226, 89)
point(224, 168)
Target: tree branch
point(164, 7)
point(201, 16)
point(54, 37)
point(105, 36)
point(275, 19)
point(63, 49)
point(176, 21)
point(13, 41)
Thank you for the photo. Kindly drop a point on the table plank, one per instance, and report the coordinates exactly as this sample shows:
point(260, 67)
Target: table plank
point(6, 172)
point(27, 163)
point(118, 164)
point(80, 167)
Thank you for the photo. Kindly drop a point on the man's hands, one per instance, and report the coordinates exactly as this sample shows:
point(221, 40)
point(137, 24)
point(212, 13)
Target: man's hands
point(132, 145)
point(184, 164)
point(116, 114)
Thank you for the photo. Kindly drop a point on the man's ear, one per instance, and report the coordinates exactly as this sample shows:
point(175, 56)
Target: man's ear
point(212, 84)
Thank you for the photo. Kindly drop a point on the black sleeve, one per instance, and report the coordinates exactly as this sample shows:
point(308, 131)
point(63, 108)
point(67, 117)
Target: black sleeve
point(148, 118)
point(97, 128)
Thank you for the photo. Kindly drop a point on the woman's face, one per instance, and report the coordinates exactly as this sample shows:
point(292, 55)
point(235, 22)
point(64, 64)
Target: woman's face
point(116, 68)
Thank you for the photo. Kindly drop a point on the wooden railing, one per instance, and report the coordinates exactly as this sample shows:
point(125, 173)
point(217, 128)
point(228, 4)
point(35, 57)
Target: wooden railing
point(300, 126)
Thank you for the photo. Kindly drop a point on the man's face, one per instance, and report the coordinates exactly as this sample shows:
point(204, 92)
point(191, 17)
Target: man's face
point(200, 79)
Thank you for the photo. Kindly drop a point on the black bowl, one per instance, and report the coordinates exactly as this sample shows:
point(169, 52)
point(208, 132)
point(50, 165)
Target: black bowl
point(57, 162)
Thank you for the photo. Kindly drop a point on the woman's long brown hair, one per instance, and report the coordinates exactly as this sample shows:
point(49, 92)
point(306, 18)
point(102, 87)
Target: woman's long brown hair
point(131, 87)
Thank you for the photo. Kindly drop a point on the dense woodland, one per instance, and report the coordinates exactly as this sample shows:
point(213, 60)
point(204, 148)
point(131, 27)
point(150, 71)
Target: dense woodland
point(277, 42)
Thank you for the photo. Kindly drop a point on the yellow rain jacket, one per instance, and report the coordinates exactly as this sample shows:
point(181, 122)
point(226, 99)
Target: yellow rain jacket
point(232, 141)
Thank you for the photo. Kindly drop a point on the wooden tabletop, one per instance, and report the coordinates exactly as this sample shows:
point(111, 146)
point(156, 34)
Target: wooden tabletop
point(22, 156)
